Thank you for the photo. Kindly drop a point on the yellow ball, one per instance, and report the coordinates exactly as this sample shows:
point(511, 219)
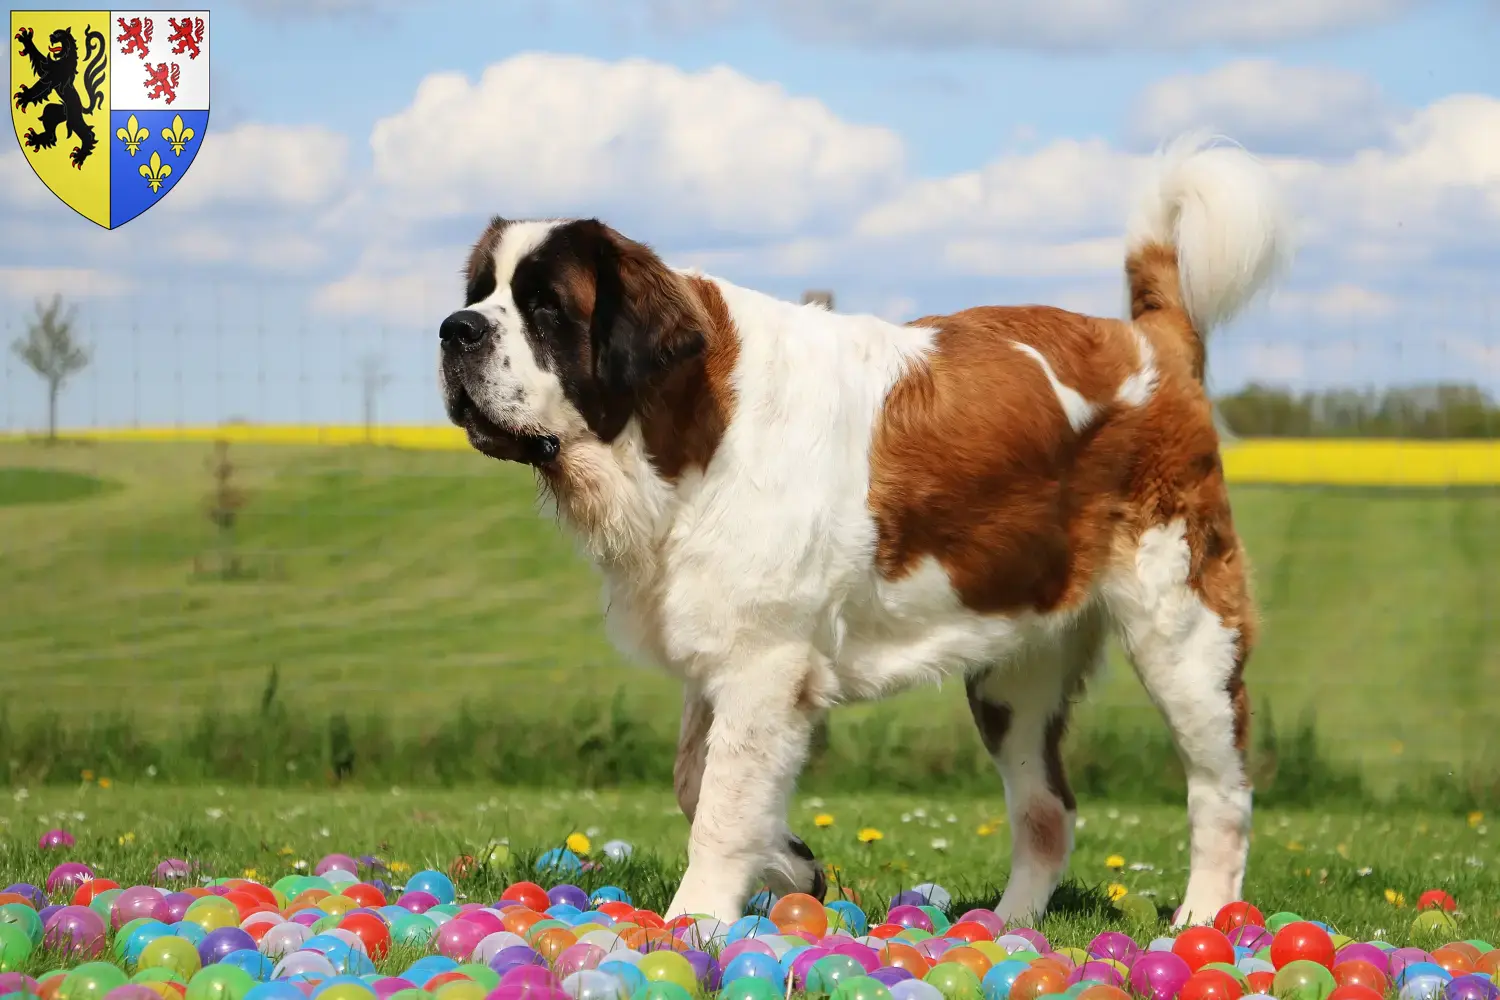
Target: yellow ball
point(175, 953)
point(991, 951)
point(212, 913)
point(346, 991)
point(337, 906)
point(668, 967)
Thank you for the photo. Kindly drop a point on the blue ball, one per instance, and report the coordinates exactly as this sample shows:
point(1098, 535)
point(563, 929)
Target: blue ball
point(257, 965)
point(276, 989)
point(761, 902)
point(754, 965)
point(633, 978)
point(854, 917)
point(1417, 970)
point(142, 936)
point(563, 911)
point(434, 882)
point(561, 860)
point(789, 956)
point(193, 932)
point(609, 894)
point(426, 967)
point(1001, 977)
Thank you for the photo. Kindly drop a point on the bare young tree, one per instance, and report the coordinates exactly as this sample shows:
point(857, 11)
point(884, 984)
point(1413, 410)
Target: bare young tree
point(373, 377)
point(51, 350)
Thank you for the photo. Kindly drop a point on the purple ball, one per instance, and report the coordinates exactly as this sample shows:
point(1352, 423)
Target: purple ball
point(866, 956)
point(1377, 957)
point(35, 896)
point(132, 991)
point(1400, 958)
point(890, 975)
point(514, 957)
point(336, 862)
point(173, 869)
point(514, 991)
point(1158, 975)
point(529, 977)
point(69, 875)
point(1096, 972)
point(907, 915)
point(569, 894)
point(988, 919)
point(804, 962)
point(704, 967)
point(307, 917)
point(217, 944)
point(417, 901)
point(1115, 945)
point(932, 948)
point(1471, 987)
point(76, 929)
point(53, 839)
point(171, 908)
point(45, 913)
point(907, 897)
point(735, 949)
point(1250, 936)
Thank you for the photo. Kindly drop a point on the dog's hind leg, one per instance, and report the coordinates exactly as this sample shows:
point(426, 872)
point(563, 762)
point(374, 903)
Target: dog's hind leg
point(1021, 709)
point(1182, 608)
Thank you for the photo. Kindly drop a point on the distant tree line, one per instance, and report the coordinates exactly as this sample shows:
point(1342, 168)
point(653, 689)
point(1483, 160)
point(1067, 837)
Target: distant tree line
point(1435, 411)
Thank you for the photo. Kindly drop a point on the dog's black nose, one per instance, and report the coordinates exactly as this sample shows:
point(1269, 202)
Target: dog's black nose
point(465, 328)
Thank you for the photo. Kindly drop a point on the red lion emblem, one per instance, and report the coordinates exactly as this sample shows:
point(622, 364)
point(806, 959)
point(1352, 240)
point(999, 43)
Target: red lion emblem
point(187, 36)
point(135, 36)
point(160, 84)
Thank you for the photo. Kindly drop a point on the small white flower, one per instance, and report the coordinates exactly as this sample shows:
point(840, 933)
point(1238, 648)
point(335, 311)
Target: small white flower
point(1365, 871)
point(1113, 813)
point(215, 813)
point(395, 790)
point(952, 818)
point(919, 812)
point(1080, 823)
point(815, 803)
point(939, 844)
point(300, 865)
point(1473, 862)
point(150, 770)
point(80, 817)
point(591, 832)
point(21, 795)
point(906, 817)
point(324, 832)
point(1141, 866)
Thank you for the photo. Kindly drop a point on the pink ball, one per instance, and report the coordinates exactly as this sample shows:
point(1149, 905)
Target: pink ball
point(136, 901)
point(77, 930)
point(491, 923)
point(1158, 975)
point(69, 875)
point(576, 957)
point(738, 948)
point(53, 839)
point(457, 939)
point(336, 862)
point(988, 919)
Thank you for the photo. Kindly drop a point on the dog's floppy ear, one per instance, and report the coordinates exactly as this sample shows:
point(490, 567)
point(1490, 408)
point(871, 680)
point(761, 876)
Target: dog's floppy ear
point(646, 322)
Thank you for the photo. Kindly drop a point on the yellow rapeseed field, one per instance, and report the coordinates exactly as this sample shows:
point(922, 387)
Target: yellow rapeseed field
point(1289, 461)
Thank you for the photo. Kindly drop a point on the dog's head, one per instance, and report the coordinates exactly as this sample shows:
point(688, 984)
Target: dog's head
point(566, 326)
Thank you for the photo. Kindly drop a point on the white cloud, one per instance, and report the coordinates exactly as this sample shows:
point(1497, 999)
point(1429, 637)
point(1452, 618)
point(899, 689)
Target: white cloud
point(1342, 302)
point(264, 166)
point(1069, 25)
point(70, 282)
point(550, 134)
point(1268, 106)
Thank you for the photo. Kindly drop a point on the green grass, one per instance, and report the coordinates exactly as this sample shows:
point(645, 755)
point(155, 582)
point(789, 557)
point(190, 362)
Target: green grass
point(1334, 867)
point(400, 586)
point(40, 486)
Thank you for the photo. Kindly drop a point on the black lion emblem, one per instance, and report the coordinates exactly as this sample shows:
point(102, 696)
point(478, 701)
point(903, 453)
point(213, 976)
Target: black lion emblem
point(57, 75)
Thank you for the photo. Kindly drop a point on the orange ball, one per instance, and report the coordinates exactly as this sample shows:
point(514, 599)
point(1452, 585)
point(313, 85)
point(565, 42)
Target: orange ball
point(85, 893)
point(1035, 982)
point(1355, 992)
point(1358, 972)
point(1302, 941)
point(1211, 984)
point(904, 956)
point(1053, 965)
point(1261, 982)
point(800, 910)
point(309, 897)
point(13, 897)
point(528, 894)
point(244, 903)
point(970, 959)
point(886, 931)
point(969, 930)
point(553, 942)
point(632, 937)
point(1489, 962)
point(1453, 960)
point(1197, 946)
point(519, 920)
point(1103, 991)
point(661, 939)
point(1465, 948)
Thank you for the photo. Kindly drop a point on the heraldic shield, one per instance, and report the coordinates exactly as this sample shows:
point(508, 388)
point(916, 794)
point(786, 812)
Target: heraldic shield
point(110, 106)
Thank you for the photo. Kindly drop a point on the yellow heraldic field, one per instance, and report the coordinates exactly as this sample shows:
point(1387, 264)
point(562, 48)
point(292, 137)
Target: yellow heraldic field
point(1271, 461)
point(60, 103)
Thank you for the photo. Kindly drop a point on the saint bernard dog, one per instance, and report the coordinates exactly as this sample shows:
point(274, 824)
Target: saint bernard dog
point(794, 508)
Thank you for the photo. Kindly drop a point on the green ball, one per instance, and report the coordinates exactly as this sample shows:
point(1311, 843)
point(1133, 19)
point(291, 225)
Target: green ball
point(1024, 955)
point(481, 974)
point(171, 952)
point(954, 981)
point(24, 917)
point(220, 982)
point(326, 923)
point(755, 988)
point(101, 903)
point(90, 981)
point(1075, 989)
point(830, 970)
point(1137, 909)
point(413, 929)
point(1229, 970)
point(859, 988)
point(287, 885)
point(158, 974)
point(662, 989)
point(15, 947)
point(1433, 922)
point(122, 936)
point(452, 910)
point(940, 921)
point(412, 994)
point(1481, 944)
point(1303, 980)
point(914, 934)
point(668, 967)
point(1277, 921)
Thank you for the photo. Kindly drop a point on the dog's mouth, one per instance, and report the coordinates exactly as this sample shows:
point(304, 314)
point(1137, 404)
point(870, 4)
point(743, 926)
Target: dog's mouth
point(506, 445)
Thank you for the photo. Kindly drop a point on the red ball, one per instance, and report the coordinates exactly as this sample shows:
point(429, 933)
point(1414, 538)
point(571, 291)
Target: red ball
point(1197, 946)
point(371, 930)
point(1302, 940)
point(1358, 972)
point(443, 979)
point(529, 895)
point(1434, 899)
point(970, 931)
point(644, 918)
point(1238, 915)
point(1211, 984)
point(365, 894)
point(886, 931)
point(85, 893)
point(1354, 991)
point(684, 920)
point(1261, 982)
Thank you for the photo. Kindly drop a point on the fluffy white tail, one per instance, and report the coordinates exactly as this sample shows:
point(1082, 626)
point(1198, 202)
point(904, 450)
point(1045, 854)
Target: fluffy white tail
point(1209, 231)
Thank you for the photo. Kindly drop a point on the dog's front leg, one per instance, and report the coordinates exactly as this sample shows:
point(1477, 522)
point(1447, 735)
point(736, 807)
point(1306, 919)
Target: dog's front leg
point(762, 716)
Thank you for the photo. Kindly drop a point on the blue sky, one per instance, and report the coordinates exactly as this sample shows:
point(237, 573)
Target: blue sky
point(914, 155)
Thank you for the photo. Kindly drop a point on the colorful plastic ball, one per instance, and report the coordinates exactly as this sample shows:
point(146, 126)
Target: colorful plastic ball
point(755, 965)
point(76, 930)
point(221, 982)
point(1354, 991)
point(1237, 914)
point(1436, 899)
point(1276, 921)
point(133, 991)
point(1197, 946)
point(219, 943)
point(915, 989)
point(1302, 941)
point(828, 972)
point(16, 947)
point(749, 988)
point(256, 965)
point(907, 915)
point(1432, 923)
point(54, 839)
point(1136, 909)
point(668, 967)
point(90, 981)
point(171, 952)
point(1423, 988)
point(956, 981)
point(1304, 979)
point(1471, 986)
point(862, 988)
point(1158, 975)
point(1211, 984)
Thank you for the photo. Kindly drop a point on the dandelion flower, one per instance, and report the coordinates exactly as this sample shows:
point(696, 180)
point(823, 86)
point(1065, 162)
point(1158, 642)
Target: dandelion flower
point(1116, 890)
point(1475, 818)
point(1395, 898)
point(105, 783)
point(249, 873)
point(985, 830)
point(823, 819)
point(1114, 861)
point(869, 835)
point(1294, 845)
point(578, 843)
point(88, 775)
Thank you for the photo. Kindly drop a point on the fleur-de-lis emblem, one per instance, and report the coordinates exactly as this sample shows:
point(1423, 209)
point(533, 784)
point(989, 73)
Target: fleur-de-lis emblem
point(156, 171)
point(132, 135)
point(177, 135)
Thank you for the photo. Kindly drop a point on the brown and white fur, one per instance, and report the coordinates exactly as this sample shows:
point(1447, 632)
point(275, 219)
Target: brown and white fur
point(794, 508)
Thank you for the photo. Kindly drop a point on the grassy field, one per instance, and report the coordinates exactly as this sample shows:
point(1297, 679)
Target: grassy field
point(1346, 869)
point(405, 584)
